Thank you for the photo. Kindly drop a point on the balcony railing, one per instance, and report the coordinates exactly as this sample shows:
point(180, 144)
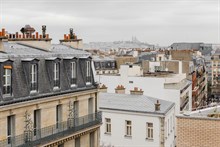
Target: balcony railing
point(53, 132)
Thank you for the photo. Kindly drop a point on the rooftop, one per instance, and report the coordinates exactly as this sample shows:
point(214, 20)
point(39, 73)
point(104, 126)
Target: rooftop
point(206, 113)
point(133, 103)
point(13, 49)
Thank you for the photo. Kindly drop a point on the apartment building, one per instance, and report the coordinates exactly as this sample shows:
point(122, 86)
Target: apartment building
point(164, 85)
point(215, 63)
point(47, 92)
point(104, 65)
point(183, 61)
point(135, 120)
point(199, 128)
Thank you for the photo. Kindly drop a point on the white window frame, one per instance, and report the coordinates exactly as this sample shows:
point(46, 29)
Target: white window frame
point(34, 75)
point(128, 128)
point(107, 125)
point(7, 80)
point(73, 72)
point(56, 73)
point(88, 72)
point(150, 130)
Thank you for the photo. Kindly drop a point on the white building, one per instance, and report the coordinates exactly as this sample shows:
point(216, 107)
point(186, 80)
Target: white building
point(136, 121)
point(164, 85)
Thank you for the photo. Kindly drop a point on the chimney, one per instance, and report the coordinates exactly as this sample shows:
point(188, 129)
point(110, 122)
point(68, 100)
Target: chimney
point(71, 40)
point(103, 88)
point(136, 91)
point(41, 41)
point(120, 89)
point(157, 106)
point(2, 37)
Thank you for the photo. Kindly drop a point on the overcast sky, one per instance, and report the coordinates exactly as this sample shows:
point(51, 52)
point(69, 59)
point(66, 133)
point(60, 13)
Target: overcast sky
point(153, 21)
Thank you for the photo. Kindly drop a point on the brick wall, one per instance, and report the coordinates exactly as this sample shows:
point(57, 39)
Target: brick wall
point(198, 132)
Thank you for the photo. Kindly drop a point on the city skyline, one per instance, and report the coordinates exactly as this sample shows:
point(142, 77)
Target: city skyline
point(155, 22)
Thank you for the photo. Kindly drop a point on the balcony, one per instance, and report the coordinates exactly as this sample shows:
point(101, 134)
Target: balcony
point(53, 132)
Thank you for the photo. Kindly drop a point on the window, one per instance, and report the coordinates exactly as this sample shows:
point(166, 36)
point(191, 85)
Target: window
point(7, 89)
point(168, 127)
point(56, 75)
point(150, 131)
point(77, 142)
point(92, 139)
point(88, 72)
point(37, 120)
point(171, 128)
point(58, 116)
point(128, 128)
point(33, 77)
point(108, 125)
point(10, 128)
point(73, 73)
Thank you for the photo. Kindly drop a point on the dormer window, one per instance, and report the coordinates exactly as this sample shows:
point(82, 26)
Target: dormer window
point(7, 88)
point(88, 72)
point(73, 73)
point(56, 75)
point(33, 80)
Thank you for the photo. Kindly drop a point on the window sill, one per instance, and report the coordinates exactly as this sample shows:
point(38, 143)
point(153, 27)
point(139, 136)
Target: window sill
point(56, 88)
point(107, 133)
point(128, 136)
point(88, 83)
point(73, 85)
point(150, 139)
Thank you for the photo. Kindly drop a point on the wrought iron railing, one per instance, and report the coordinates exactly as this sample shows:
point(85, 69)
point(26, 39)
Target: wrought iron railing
point(53, 132)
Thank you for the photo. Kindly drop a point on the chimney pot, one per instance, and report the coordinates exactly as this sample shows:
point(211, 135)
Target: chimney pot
point(157, 106)
point(36, 35)
point(16, 34)
point(3, 31)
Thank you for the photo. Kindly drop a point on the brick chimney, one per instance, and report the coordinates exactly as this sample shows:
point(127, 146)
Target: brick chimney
point(2, 37)
point(120, 89)
point(103, 88)
point(27, 38)
point(72, 40)
point(136, 91)
point(157, 106)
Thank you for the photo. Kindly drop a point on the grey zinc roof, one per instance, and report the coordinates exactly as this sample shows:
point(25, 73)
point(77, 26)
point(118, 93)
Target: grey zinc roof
point(57, 50)
point(133, 103)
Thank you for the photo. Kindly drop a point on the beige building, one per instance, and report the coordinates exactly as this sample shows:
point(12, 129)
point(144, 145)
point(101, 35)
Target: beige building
point(199, 129)
point(48, 96)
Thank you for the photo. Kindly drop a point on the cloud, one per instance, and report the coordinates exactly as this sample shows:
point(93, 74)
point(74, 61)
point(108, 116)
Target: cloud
point(156, 21)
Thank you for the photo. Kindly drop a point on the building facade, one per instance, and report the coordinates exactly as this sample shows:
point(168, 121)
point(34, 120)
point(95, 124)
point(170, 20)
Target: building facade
point(48, 96)
point(199, 128)
point(164, 85)
point(136, 121)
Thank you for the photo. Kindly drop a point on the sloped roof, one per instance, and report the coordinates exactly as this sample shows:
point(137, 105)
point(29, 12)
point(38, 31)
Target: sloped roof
point(133, 103)
point(13, 49)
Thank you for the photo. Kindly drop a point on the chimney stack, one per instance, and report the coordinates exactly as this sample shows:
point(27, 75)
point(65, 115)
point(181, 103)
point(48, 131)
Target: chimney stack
point(120, 89)
point(2, 37)
point(157, 106)
point(71, 40)
point(103, 88)
point(136, 91)
point(40, 41)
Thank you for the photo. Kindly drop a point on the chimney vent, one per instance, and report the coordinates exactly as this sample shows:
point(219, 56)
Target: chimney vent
point(157, 106)
point(44, 31)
